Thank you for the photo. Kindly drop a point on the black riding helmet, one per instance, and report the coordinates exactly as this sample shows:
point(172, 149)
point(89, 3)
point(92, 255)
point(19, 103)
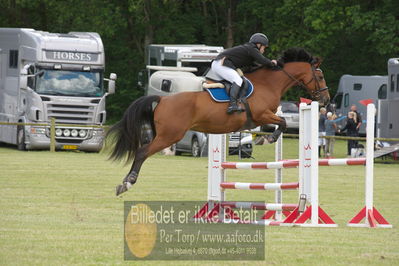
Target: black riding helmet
point(259, 38)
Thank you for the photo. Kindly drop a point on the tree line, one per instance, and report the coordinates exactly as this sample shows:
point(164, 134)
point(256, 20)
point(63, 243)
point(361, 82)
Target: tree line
point(353, 37)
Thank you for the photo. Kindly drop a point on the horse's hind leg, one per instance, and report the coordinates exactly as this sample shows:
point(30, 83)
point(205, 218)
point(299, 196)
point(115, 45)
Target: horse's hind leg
point(131, 177)
point(141, 155)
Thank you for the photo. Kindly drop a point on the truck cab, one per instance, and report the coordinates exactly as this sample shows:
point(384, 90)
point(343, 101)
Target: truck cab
point(45, 76)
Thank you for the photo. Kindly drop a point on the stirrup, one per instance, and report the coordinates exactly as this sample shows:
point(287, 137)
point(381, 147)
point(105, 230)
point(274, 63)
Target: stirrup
point(234, 108)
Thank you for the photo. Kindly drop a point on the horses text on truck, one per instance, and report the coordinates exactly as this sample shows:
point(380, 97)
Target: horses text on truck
point(50, 75)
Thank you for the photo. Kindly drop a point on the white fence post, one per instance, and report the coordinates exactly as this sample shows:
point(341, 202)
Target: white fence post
point(278, 155)
point(372, 218)
point(216, 174)
point(314, 177)
point(309, 158)
point(369, 159)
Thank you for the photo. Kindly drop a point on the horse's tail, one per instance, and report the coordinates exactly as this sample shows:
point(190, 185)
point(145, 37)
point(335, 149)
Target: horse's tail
point(134, 129)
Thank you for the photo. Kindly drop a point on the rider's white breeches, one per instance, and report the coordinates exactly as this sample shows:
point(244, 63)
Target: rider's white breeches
point(226, 73)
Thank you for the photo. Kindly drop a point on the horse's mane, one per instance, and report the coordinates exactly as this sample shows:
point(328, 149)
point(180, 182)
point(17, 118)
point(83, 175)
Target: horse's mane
point(296, 55)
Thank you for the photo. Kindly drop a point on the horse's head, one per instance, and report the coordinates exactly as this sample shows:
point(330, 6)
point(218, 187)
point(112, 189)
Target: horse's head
point(317, 86)
point(311, 78)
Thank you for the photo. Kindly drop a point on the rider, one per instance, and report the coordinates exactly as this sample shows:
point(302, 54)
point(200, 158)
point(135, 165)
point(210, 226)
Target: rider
point(226, 63)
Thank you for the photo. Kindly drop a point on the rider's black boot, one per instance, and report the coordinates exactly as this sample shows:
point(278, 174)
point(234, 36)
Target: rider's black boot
point(233, 106)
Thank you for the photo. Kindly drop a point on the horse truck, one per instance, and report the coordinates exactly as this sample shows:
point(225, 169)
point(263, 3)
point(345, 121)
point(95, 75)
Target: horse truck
point(388, 108)
point(52, 75)
point(383, 90)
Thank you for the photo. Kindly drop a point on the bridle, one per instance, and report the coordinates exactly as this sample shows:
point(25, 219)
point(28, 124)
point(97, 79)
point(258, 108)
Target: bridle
point(316, 93)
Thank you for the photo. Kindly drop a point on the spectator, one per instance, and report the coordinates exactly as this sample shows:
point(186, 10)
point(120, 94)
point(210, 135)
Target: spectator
point(322, 130)
point(351, 127)
point(358, 117)
point(358, 122)
point(331, 128)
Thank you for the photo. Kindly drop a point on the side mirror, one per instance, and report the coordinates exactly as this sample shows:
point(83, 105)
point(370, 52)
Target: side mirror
point(23, 81)
point(111, 83)
point(112, 76)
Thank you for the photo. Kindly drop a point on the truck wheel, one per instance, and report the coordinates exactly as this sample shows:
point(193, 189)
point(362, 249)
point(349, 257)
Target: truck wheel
point(195, 148)
point(21, 138)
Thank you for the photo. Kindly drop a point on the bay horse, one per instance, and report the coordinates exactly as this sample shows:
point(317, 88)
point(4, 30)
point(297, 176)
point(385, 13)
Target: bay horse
point(168, 118)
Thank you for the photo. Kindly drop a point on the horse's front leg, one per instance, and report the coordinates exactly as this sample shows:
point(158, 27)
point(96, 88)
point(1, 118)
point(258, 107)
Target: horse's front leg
point(281, 127)
point(271, 118)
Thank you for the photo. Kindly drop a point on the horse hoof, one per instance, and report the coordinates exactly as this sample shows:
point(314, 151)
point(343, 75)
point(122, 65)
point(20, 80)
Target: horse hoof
point(121, 188)
point(270, 139)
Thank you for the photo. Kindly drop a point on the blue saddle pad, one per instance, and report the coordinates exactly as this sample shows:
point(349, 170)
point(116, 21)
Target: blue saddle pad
point(220, 94)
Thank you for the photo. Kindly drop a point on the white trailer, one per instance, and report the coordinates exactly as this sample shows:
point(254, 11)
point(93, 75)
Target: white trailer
point(188, 61)
point(51, 75)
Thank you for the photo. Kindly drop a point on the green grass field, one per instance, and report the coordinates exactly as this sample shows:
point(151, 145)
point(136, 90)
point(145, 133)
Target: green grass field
point(60, 209)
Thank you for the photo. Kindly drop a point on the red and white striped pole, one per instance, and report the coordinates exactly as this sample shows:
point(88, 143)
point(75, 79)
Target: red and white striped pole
point(292, 163)
point(261, 165)
point(259, 186)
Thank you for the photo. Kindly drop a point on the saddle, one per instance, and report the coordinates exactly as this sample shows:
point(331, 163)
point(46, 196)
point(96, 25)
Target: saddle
point(218, 88)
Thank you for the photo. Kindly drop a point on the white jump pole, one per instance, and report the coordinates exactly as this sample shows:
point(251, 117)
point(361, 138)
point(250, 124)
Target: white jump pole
point(308, 157)
point(372, 218)
point(314, 177)
point(216, 174)
point(369, 158)
point(278, 156)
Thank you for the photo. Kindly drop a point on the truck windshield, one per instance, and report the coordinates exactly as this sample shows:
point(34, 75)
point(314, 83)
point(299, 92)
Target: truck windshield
point(70, 83)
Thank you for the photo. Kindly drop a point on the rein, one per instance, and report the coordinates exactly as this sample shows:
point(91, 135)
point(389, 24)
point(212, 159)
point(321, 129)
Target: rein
point(316, 93)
